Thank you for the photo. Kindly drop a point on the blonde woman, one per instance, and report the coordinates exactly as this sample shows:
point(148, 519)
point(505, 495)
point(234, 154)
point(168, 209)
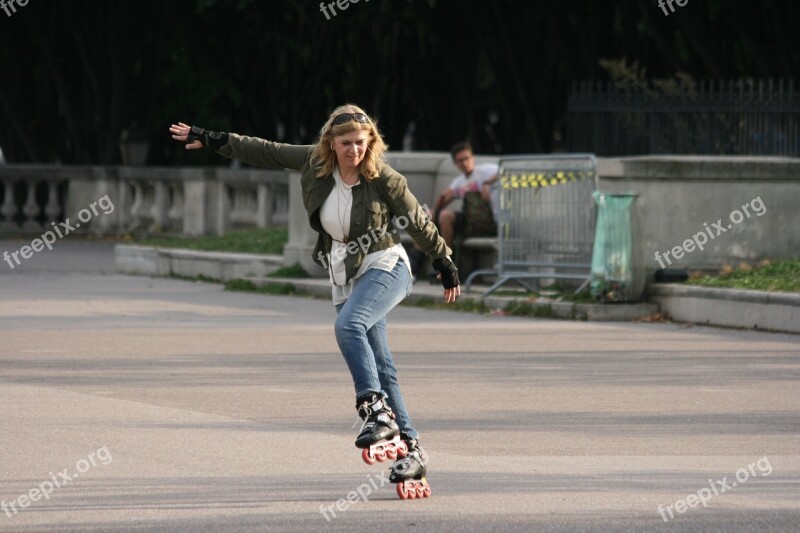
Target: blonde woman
point(355, 201)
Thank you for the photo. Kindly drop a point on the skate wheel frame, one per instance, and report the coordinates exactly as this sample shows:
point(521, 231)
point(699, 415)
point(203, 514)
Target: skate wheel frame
point(413, 488)
point(383, 450)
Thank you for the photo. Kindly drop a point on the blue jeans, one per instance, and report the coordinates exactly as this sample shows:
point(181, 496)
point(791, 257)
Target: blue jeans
point(361, 334)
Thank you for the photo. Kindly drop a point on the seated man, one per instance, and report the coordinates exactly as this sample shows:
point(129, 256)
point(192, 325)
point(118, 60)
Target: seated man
point(473, 187)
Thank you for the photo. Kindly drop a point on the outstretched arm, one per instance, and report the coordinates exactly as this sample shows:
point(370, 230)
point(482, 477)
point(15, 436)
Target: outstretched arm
point(250, 150)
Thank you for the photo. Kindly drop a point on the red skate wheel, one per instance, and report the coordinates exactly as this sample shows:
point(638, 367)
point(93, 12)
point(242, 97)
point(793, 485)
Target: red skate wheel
point(380, 456)
point(368, 457)
point(391, 454)
point(426, 492)
point(401, 491)
point(402, 449)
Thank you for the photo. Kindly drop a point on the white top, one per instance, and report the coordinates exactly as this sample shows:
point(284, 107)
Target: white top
point(335, 212)
point(474, 183)
point(334, 216)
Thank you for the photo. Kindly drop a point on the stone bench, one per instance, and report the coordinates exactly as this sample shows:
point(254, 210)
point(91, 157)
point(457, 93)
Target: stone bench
point(471, 253)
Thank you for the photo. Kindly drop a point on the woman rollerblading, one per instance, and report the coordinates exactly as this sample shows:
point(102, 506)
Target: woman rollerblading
point(352, 198)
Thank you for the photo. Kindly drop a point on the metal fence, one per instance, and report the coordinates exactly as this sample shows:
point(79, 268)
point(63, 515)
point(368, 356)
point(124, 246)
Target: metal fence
point(546, 219)
point(714, 118)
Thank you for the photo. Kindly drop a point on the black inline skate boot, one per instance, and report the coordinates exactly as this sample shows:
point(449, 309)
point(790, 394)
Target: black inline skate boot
point(409, 471)
point(380, 435)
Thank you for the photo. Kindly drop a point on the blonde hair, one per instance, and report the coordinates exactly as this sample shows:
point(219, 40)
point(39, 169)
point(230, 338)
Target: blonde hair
point(325, 158)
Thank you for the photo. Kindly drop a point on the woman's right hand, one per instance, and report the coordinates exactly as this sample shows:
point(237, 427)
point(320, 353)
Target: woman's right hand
point(180, 132)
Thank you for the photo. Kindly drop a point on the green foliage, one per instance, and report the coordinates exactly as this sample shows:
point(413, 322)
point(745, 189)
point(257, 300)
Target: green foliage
point(633, 78)
point(422, 302)
point(583, 297)
point(529, 309)
point(240, 284)
point(292, 271)
point(277, 289)
point(251, 241)
point(780, 276)
point(200, 278)
point(464, 306)
point(555, 292)
point(275, 69)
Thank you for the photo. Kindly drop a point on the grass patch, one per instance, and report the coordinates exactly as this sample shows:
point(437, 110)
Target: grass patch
point(239, 284)
point(249, 241)
point(529, 309)
point(200, 278)
point(293, 271)
point(583, 297)
point(464, 306)
point(516, 308)
point(516, 294)
point(564, 295)
point(278, 289)
point(780, 276)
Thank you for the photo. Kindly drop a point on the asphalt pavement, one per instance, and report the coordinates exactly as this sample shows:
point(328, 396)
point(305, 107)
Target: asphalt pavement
point(138, 404)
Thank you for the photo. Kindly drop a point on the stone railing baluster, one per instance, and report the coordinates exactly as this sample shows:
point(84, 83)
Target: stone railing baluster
point(160, 208)
point(175, 213)
point(31, 210)
point(137, 206)
point(53, 209)
point(9, 208)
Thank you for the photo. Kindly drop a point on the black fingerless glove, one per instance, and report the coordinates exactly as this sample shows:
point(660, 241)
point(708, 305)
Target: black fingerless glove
point(448, 271)
point(214, 139)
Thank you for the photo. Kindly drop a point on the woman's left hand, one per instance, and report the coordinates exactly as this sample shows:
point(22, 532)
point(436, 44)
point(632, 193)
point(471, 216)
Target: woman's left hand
point(450, 294)
point(452, 285)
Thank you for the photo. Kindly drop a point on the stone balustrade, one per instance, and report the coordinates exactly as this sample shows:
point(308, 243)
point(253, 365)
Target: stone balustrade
point(146, 200)
point(32, 197)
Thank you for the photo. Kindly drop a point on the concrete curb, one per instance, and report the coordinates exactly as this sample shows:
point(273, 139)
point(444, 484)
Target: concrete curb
point(683, 303)
point(222, 266)
point(165, 262)
point(424, 292)
point(729, 307)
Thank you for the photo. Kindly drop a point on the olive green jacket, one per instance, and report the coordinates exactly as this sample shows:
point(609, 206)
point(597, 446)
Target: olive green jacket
point(375, 202)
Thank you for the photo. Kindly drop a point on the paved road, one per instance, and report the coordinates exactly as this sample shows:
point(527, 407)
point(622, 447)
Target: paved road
point(165, 405)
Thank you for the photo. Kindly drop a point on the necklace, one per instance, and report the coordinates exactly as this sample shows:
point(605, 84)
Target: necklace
point(341, 189)
point(348, 184)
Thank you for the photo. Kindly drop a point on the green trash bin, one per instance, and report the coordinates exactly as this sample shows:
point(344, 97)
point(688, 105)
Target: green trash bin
point(617, 268)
